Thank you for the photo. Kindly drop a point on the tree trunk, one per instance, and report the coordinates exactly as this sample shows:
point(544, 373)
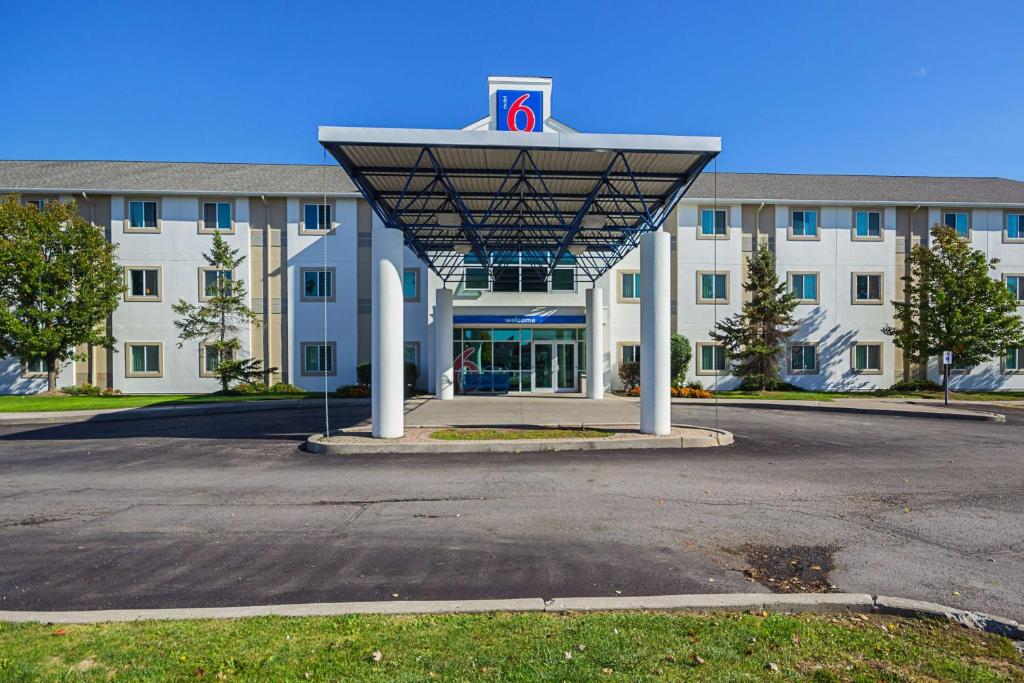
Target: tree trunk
point(51, 375)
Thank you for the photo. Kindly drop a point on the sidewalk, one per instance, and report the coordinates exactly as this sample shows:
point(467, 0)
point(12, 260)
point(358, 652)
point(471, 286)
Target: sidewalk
point(425, 411)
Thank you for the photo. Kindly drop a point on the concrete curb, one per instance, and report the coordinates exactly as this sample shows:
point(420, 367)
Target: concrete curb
point(126, 414)
point(963, 414)
point(817, 603)
point(316, 444)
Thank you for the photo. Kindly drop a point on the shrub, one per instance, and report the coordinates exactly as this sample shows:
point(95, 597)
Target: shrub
point(695, 384)
point(82, 390)
point(629, 375)
point(916, 385)
point(680, 354)
point(690, 392)
point(261, 388)
point(285, 388)
point(107, 391)
point(353, 391)
point(364, 374)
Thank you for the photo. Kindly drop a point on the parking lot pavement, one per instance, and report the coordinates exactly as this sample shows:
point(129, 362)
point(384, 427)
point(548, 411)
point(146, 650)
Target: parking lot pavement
point(227, 510)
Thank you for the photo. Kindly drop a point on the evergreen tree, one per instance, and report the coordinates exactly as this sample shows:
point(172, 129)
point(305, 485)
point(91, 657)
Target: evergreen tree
point(216, 321)
point(954, 304)
point(59, 283)
point(680, 353)
point(755, 338)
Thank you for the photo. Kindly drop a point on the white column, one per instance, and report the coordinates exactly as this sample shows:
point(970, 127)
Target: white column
point(655, 330)
point(595, 343)
point(444, 348)
point(388, 369)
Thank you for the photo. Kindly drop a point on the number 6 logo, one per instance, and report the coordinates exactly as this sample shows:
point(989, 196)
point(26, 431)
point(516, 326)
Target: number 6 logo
point(513, 111)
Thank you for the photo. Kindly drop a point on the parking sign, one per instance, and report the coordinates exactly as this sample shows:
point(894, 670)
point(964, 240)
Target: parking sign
point(947, 357)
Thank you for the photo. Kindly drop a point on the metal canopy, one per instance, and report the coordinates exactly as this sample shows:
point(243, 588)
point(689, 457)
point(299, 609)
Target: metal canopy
point(555, 198)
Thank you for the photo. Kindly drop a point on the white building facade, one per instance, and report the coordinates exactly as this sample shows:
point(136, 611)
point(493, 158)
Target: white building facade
point(841, 244)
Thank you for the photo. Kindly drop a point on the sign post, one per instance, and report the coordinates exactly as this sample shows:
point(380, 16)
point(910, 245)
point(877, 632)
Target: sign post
point(947, 361)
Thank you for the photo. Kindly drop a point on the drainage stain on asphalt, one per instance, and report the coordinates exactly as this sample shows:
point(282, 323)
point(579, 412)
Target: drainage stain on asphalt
point(792, 569)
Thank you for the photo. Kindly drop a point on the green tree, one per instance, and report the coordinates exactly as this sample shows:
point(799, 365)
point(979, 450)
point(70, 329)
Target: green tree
point(217, 321)
point(953, 304)
point(755, 338)
point(59, 283)
point(680, 354)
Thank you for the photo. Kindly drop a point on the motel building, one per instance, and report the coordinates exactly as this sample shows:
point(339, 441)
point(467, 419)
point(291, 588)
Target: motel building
point(515, 255)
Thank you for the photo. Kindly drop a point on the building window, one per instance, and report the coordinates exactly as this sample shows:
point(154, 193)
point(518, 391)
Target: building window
point(804, 224)
point(143, 359)
point(867, 288)
point(40, 204)
point(867, 358)
point(143, 283)
point(1014, 227)
point(475, 277)
point(217, 217)
point(142, 216)
point(960, 221)
point(867, 225)
point(411, 354)
point(710, 359)
point(629, 285)
point(34, 367)
point(212, 280)
point(804, 287)
point(713, 223)
point(318, 358)
point(712, 288)
point(411, 284)
point(1015, 283)
point(803, 358)
point(630, 352)
point(317, 284)
point(1014, 360)
point(211, 359)
point(563, 280)
point(317, 218)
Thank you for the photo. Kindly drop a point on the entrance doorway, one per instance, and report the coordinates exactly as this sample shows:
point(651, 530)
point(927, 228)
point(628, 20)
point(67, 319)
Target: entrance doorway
point(554, 366)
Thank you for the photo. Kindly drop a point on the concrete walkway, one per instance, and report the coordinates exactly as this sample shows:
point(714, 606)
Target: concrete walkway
point(512, 409)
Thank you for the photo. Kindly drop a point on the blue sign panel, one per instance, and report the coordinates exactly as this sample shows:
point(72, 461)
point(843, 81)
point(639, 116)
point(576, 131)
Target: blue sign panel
point(520, 110)
point(520, 319)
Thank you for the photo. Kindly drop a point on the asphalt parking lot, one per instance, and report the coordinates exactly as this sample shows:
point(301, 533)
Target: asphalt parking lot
point(227, 510)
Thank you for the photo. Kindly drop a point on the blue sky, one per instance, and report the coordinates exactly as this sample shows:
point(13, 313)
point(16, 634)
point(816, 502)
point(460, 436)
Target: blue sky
point(931, 88)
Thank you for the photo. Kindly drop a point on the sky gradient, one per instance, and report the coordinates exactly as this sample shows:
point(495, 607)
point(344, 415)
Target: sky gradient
point(902, 88)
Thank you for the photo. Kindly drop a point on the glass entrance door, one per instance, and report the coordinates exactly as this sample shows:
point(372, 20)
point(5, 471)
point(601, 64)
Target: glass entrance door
point(543, 366)
point(565, 362)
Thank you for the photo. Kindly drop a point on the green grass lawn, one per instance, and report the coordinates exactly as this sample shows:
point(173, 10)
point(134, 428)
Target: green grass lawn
point(484, 434)
point(511, 647)
point(32, 404)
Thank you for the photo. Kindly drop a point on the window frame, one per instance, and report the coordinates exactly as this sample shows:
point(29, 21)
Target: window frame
point(970, 220)
point(332, 218)
point(416, 298)
point(203, 349)
point(713, 300)
point(303, 372)
point(791, 235)
point(868, 238)
point(817, 286)
point(817, 359)
point(303, 297)
point(26, 373)
point(147, 374)
point(203, 297)
point(202, 229)
point(701, 235)
point(129, 297)
point(622, 346)
point(1019, 370)
point(698, 361)
point(867, 371)
point(621, 298)
point(127, 226)
point(1020, 285)
point(1019, 239)
point(867, 302)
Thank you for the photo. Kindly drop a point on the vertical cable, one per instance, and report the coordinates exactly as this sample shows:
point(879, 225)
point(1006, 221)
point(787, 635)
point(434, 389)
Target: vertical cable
point(328, 219)
point(714, 299)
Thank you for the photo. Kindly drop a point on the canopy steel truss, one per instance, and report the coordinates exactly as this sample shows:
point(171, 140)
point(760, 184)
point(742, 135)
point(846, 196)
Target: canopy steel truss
point(588, 206)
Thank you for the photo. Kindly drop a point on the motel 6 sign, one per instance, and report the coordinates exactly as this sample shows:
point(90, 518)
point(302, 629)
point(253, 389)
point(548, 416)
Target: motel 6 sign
point(520, 110)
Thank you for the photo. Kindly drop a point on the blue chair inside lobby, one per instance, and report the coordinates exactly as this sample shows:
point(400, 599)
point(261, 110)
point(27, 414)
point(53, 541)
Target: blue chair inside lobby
point(485, 382)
